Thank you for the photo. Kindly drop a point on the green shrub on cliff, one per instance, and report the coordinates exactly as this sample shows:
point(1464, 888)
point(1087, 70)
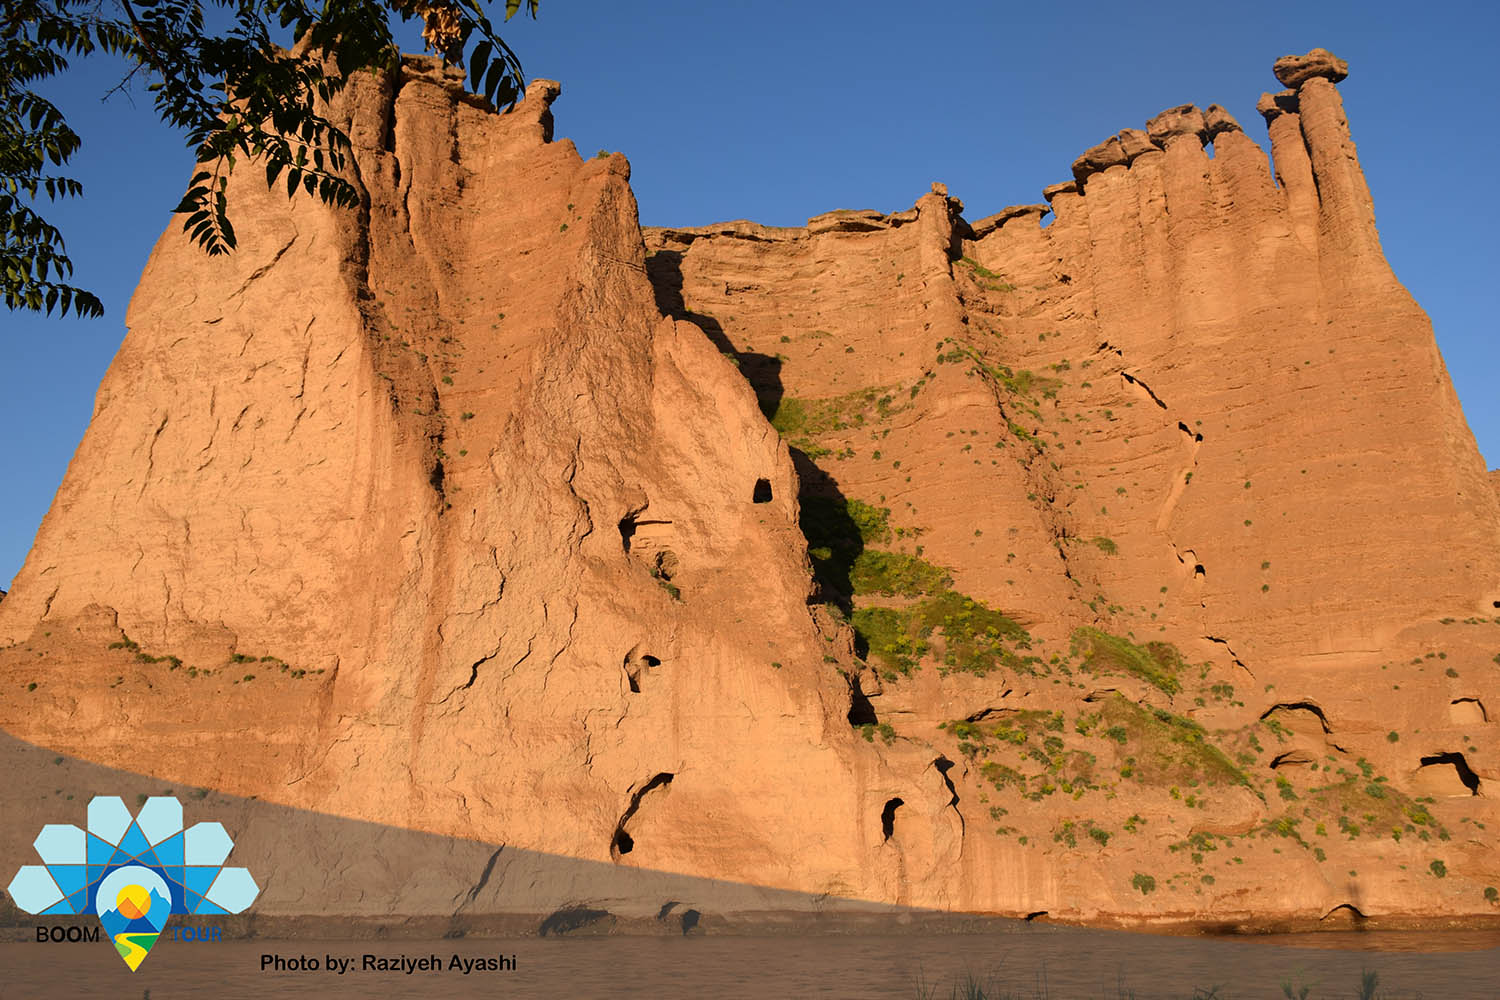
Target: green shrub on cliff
point(1157, 663)
point(1171, 749)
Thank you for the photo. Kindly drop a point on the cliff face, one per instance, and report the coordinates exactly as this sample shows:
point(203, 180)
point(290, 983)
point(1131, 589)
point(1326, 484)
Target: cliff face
point(1104, 551)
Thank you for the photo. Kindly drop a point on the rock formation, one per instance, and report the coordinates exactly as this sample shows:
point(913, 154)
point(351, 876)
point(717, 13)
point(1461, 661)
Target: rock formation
point(1139, 566)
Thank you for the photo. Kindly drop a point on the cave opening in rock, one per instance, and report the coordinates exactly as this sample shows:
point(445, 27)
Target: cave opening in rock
point(1299, 706)
point(888, 817)
point(635, 666)
point(622, 842)
point(627, 529)
point(762, 492)
point(690, 920)
point(861, 709)
point(1465, 772)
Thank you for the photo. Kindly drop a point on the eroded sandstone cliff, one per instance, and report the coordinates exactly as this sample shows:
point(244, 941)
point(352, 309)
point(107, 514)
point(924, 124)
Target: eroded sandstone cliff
point(1135, 566)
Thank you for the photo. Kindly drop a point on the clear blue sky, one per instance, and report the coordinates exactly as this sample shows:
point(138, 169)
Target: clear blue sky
point(776, 111)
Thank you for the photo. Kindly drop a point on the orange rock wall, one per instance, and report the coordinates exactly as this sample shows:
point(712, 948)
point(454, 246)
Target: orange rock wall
point(462, 513)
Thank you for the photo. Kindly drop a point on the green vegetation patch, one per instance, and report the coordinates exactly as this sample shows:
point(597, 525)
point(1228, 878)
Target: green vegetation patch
point(1023, 382)
point(885, 634)
point(1365, 804)
point(980, 269)
point(877, 571)
point(1157, 663)
point(971, 637)
point(1170, 749)
point(1037, 761)
point(802, 421)
point(837, 532)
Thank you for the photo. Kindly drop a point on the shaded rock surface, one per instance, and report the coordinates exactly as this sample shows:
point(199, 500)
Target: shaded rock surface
point(1115, 568)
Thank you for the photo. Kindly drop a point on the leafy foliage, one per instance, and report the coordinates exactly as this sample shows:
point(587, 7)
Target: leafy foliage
point(235, 94)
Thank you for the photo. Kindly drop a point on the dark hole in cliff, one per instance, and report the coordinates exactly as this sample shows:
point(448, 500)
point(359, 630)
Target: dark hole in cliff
point(1291, 757)
point(1465, 772)
point(888, 817)
point(690, 919)
point(944, 765)
point(1035, 914)
point(570, 919)
point(1497, 604)
point(1199, 572)
point(1299, 706)
point(627, 529)
point(664, 566)
point(435, 477)
point(635, 666)
point(666, 908)
point(861, 710)
point(623, 842)
point(762, 492)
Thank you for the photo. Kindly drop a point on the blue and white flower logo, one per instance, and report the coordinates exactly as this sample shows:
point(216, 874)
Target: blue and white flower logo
point(133, 872)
